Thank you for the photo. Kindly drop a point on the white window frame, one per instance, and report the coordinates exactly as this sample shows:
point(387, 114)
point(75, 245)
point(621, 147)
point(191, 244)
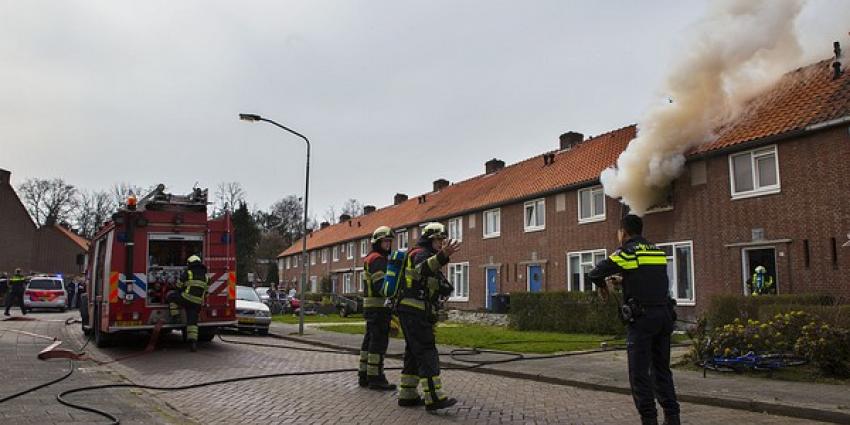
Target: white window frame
point(498, 223)
point(335, 253)
point(360, 283)
point(286, 262)
point(402, 236)
point(463, 294)
point(313, 258)
point(757, 190)
point(349, 252)
point(347, 287)
point(535, 203)
point(594, 218)
point(455, 228)
point(364, 247)
point(295, 261)
point(324, 256)
point(673, 280)
point(314, 284)
point(583, 285)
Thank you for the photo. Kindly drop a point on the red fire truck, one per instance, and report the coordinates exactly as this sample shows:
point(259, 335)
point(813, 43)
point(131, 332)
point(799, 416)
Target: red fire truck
point(136, 258)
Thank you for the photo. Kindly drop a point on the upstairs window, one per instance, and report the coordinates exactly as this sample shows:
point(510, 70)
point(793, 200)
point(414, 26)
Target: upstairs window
point(312, 258)
point(336, 253)
point(349, 253)
point(754, 173)
point(492, 223)
point(286, 262)
point(591, 205)
point(364, 247)
point(535, 215)
point(324, 256)
point(401, 239)
point(456, 228)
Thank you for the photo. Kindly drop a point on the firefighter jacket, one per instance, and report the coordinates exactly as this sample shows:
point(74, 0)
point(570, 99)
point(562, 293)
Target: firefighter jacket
point(760, 284)
point(644, 270)
point(374, 271)
point(424, 282)
point(193, 284)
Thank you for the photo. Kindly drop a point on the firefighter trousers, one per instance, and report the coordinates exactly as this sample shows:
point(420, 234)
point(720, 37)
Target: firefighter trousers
point(16, 296)
point(648, 345)
point(175, 301)
point(375, 342)
point(421, 359)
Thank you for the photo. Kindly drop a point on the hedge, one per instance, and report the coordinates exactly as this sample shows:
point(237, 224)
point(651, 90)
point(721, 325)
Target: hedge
point(572, 312)
point(724, 309)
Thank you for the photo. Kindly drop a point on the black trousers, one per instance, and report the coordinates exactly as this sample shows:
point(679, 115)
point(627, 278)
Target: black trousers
point(420, 349)
point(192, 312)
point(648, 343)
point(377, 336)
point(16, 296)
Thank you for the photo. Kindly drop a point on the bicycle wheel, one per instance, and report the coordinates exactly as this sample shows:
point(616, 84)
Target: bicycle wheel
point(776, 361)
point(717, 367)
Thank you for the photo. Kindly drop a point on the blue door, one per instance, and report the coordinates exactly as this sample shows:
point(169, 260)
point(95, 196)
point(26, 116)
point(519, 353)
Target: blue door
point(491, 287)
point(535, 279)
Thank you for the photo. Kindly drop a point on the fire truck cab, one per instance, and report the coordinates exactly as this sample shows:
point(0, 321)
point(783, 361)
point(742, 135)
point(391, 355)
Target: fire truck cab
point(137, 257)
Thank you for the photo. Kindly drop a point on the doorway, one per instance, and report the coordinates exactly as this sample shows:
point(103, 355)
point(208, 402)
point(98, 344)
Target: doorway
point(490, 274)
point(759, 256)
point(535, 278)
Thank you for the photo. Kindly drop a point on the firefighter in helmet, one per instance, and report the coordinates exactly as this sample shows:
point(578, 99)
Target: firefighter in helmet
point(190, 293)
point(15, 293)
point(377, 312)
point(761, 283)
point(424, 290)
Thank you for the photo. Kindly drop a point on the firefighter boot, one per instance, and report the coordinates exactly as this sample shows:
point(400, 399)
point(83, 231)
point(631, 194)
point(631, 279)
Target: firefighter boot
point(408, 395)
point(672, 420)
point(193, 346)
point(434, 397)
point(375, 373)
point(648, 421)
point(361, 370)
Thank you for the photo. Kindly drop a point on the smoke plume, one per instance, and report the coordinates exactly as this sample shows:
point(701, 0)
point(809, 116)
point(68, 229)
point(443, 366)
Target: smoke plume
point(738, 49)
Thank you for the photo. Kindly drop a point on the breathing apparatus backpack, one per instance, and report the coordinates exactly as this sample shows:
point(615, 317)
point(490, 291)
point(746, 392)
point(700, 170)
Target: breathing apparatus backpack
point(395, 273)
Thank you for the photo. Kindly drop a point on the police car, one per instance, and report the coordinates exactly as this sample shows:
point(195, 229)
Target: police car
point(45, 291)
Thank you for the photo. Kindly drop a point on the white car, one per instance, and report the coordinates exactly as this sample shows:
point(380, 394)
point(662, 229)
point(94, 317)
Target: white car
point(263, 293)
point(45, 292)
point(251, 314)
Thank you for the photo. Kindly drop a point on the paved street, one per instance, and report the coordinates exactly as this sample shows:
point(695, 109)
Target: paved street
point(310, 399)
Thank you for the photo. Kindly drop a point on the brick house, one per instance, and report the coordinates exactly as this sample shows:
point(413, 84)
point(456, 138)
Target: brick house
point(771, 189)
point(52, 248)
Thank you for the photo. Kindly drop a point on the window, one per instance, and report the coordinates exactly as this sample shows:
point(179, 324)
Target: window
point(459, 278)
point(680, 271)
point(286, 262)
point(578, 265)
point(347, 286)
point(314, 284)
point(325, 255)
point(456, 228)
point(492, 223)
point(364, 247)
point(349, 253)
point(535, 215)
point(754, 173)
point(591, 205)
point(360, 282)
point(312, 258)
point(294, 261)
point(401, 239)
point(336, 253)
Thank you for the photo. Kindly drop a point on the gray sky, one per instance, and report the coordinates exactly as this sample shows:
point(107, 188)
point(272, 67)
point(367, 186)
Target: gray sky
point(98, 92)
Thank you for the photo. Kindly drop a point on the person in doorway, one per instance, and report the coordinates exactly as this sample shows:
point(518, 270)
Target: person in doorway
point(190, 294)
point(648, 311)
point(760, 283)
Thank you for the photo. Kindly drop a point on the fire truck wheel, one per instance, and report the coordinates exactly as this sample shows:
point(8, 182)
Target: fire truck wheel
point(263, 332)
point(206, 334)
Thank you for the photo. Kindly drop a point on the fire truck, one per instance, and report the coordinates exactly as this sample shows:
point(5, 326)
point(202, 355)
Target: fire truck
point(137, 257)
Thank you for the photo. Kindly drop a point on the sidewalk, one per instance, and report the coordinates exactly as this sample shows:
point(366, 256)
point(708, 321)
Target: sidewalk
point(607, 371)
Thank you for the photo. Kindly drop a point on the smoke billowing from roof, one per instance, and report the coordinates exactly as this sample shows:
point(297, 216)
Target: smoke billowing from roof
point(739, 49)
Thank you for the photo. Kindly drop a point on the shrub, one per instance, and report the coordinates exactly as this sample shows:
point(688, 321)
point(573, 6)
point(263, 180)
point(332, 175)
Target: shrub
point(827, 346)
point(723, 309)
point(564, 312)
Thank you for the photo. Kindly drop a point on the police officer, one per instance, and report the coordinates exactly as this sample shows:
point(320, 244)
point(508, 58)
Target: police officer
point(16, 292)
point(648, 311)
point(377, 312)
point(425, 288)
point(190, 293)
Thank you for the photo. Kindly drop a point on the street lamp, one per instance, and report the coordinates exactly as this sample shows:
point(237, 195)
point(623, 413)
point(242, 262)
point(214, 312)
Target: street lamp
point(304, 262)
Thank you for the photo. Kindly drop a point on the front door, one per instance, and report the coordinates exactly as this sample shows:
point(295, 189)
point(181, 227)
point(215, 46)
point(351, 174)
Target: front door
point(490, 275)
point(535, 278)
point(760, 256)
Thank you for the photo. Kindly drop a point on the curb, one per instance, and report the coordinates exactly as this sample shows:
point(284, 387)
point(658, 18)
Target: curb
point(746, 405)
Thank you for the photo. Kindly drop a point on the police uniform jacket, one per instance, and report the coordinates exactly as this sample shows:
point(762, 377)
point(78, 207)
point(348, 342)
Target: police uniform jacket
point(644, 270)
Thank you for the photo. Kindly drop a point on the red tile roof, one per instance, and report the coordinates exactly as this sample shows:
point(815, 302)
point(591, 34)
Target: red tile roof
point(801, 98)
point(82, 242)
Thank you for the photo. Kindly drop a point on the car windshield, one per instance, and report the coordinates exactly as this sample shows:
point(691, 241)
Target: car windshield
point(262, 291)
point(245, 293)
point(45, 284)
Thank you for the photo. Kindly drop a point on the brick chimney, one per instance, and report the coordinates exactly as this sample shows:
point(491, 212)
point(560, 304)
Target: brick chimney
point(399, 198)
point(344, 217)
point(493, 165)
point(324, 224)
point(368, 209)
point(440, 184)
point(570, 139)
point(4, 177)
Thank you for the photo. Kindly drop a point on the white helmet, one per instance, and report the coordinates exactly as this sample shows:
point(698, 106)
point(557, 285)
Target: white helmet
point(761, 269)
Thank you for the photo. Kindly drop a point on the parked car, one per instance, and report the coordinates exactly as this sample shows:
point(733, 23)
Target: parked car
point(251, 314)
point(263, 293)
point(46, 292)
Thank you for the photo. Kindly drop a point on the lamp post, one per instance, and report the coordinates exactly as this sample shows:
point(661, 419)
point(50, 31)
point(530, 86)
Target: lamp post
point(304, 263)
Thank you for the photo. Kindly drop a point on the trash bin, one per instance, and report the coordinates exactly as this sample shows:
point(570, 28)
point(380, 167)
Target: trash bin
point(500, 303)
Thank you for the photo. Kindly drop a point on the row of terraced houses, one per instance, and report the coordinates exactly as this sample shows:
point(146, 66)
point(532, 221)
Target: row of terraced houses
point(771, 189)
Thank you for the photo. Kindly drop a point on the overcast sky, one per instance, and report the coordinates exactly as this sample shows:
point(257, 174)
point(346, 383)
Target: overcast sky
point(392, 94)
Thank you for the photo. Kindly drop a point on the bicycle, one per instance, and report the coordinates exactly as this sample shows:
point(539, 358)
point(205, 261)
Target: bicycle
point(767, 362)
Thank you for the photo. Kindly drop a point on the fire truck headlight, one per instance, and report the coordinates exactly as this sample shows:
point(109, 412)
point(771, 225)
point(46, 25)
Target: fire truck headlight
point(214, 313)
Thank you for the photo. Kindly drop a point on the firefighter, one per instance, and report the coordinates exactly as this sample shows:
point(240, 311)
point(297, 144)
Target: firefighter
point(190, 293)
point(377, 312)
point(425, 289)
point(15, 293)
point(648, 311)
point(761, 283)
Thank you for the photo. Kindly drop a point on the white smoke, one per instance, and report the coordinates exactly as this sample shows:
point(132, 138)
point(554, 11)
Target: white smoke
point(739, 49)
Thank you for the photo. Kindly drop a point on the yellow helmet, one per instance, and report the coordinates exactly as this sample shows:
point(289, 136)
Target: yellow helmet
point(194, 259)
point(381, 233)
point(434, 230)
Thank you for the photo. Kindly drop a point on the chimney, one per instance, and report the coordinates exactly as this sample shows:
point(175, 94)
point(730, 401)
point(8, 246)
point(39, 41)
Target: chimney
point(570, 139)
point(493, 165)
point(440, 184)
point(344, 217)
point(548, 158)
point(324, 224)
point(368, 209)
point(4, 177)
point(836, 66)
point(399, 198)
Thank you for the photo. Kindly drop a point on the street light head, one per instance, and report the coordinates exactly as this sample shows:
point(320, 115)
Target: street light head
point(250, 117)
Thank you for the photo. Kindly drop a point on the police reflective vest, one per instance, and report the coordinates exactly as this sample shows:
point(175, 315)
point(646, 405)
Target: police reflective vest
point(644, 270)
point(373, 280)
point(194, 290)
point(16, 281)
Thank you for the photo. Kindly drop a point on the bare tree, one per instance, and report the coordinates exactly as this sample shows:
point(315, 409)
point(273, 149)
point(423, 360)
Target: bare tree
point(48, 201)
point(228, 196)
point(120, 192)
point(93, 209)
point(330, 215)
point(352, 207)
